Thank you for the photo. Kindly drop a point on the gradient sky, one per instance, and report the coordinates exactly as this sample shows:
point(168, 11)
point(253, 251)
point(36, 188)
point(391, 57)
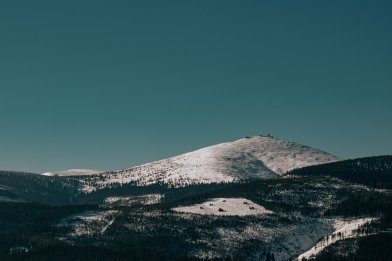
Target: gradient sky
point(110, 84)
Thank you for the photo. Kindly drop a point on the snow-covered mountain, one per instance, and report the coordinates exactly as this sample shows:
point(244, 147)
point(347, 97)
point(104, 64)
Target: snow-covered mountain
point(313, 210)
point(248, 158)
point(72, 172)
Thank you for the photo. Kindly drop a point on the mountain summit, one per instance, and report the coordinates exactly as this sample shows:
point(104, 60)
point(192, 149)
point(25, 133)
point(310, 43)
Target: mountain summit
point(248, 158)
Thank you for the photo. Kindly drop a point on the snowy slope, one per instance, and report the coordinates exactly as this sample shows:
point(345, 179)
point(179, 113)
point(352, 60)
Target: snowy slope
point(257, 157)
point(72, 172)
point(344, 230)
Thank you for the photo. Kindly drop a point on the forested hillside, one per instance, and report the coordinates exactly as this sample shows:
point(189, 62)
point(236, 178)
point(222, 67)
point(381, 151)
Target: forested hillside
point(371, 171)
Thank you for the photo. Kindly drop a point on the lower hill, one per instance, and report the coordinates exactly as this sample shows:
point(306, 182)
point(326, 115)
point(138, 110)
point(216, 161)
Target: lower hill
point(371, 171)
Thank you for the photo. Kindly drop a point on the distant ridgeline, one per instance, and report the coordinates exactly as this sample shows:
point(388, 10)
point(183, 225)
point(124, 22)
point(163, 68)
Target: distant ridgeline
point(372, 171)
point(29, 187)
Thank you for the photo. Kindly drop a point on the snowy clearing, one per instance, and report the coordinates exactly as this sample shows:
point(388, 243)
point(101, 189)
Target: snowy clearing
point(225, 207)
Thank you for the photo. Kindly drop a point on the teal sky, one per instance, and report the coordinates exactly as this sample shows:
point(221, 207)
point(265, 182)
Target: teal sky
point(111, 84)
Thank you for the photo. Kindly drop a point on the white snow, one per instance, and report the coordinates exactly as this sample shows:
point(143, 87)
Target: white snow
point(89, 223)
point(256, 157)
point(148, 199)
point(73, 172)
point(225, 207)
point(282, 239)
point(344, 229)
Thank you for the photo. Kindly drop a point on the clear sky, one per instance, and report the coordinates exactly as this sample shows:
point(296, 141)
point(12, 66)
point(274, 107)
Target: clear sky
point(111, 84)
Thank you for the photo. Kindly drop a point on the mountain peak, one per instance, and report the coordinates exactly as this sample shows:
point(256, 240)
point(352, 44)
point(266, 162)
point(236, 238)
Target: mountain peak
point(261, 157)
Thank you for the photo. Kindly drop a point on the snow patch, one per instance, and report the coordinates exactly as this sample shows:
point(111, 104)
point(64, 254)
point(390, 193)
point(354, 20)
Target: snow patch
point(148, 199)
point(225, 207)
point(89, 223)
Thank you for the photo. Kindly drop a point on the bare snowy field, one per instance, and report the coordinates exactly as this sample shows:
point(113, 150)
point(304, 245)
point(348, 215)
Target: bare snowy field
point(225, 207)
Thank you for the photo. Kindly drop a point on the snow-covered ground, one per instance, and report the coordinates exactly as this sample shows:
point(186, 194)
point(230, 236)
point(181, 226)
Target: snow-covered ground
point(89, 223)
point(287, 240)
point(344, 229)
point(72, 172)
point(225, 207)
point(257, 157)
point(284, 240)
point(148, 199)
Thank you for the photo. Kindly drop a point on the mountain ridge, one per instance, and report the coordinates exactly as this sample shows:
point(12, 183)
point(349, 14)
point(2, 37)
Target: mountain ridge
point(247, 158)
point(72, 172)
